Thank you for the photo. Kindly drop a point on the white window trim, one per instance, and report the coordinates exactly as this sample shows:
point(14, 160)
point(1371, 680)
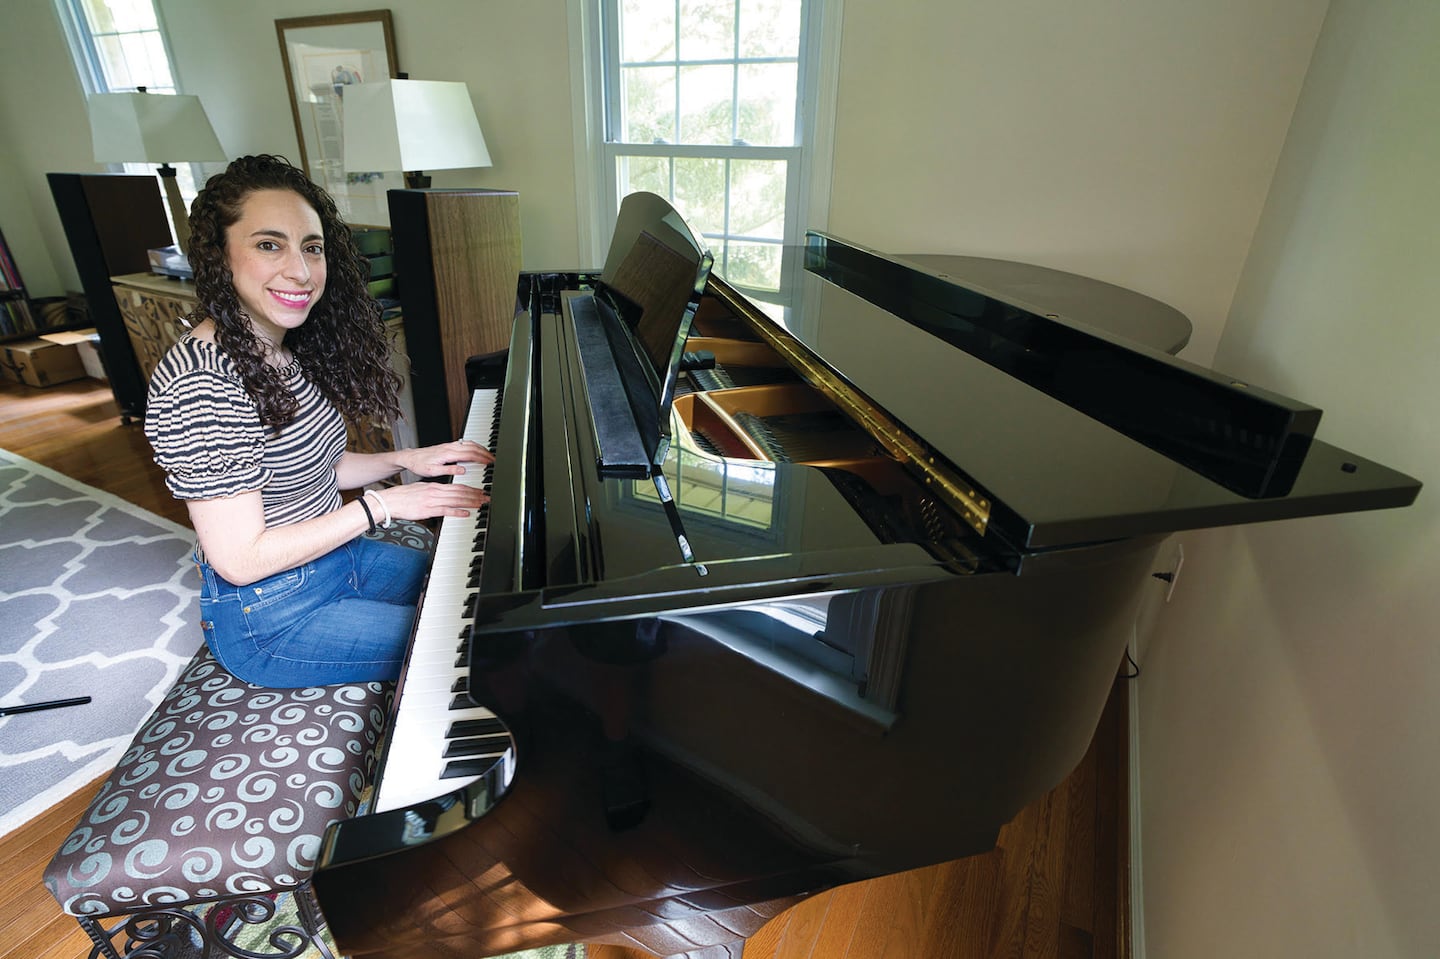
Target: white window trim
point(85, 67)
point(594, 188)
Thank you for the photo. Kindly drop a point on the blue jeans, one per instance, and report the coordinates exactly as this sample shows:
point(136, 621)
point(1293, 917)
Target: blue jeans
point(344, 618)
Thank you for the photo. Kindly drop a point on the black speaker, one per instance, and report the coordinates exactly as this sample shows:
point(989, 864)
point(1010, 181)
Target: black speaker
point(112, 221)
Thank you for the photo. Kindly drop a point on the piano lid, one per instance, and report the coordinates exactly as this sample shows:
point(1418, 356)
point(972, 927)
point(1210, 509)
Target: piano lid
point(1074, 433)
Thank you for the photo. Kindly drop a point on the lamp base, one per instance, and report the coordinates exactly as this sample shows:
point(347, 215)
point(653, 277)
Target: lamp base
point(416, 180)
point(178, 215)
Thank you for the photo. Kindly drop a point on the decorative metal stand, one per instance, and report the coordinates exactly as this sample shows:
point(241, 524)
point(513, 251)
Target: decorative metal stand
point(213, 930)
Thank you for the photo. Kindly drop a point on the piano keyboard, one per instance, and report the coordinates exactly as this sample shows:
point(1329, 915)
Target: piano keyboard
point(439, 741)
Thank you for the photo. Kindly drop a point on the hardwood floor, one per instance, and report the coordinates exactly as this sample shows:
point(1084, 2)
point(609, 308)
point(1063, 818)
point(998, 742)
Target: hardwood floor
point(1056, 885)
point(74, 428)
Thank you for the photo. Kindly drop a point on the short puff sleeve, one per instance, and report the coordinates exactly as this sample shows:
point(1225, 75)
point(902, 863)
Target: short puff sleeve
point(206, 435)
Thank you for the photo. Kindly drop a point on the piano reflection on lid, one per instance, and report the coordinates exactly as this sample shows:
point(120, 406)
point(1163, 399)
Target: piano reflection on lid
point(781, 595)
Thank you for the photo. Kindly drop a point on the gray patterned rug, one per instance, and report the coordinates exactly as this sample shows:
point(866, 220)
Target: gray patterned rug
point(97, 598)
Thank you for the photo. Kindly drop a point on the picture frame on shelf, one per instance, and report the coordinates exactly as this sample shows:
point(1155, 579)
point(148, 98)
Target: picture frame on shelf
point(322, 55)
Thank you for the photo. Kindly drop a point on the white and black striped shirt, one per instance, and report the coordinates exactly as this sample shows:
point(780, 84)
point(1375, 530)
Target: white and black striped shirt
point(207, 436)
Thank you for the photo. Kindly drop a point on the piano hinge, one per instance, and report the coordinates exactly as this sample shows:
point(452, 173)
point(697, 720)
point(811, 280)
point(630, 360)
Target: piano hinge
point(944, 482)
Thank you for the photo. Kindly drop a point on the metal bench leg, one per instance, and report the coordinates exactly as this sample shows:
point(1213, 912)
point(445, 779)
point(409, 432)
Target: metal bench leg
point(167, 933)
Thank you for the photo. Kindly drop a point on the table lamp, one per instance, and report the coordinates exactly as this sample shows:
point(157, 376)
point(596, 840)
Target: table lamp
point(411, 125)
point(155, 128)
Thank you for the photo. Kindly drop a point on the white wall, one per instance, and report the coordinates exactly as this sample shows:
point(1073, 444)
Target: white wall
point(511, 55)
point(1290, 705)
point(42, 120)
point(1132, 142)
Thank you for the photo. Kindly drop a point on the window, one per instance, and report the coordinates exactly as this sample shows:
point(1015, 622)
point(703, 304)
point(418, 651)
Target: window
point(118, 46)
point(704, 103)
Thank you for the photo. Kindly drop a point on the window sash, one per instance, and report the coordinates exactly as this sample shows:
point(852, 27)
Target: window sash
point(613, 152)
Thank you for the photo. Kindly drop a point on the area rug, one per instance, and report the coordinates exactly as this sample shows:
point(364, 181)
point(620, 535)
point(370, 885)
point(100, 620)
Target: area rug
point(98, 598)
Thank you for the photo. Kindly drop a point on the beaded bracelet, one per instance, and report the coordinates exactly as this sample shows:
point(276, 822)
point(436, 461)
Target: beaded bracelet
point(368, 515)
point(381, 503)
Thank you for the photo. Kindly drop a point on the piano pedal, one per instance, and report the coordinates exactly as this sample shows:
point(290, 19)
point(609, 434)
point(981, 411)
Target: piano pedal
point(624, 788)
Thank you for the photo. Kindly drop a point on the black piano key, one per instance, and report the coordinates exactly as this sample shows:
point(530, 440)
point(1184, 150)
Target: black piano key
point(478, 746)
point(474, 727)
point(458, 768)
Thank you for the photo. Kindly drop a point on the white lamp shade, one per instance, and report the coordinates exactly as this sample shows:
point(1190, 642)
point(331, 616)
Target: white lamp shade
point(151, 128)
point(411, 125)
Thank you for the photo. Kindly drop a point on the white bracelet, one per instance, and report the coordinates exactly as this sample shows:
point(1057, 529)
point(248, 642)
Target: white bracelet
point(383, 508)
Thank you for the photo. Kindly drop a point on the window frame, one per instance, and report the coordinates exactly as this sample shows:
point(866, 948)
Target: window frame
point(596, 90)
point(86, 55)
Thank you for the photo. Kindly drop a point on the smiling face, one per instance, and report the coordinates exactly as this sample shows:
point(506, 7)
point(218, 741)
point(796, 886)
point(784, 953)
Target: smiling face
point(276, 254)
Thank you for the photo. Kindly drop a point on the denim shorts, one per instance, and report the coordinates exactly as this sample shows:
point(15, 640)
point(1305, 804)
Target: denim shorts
point(343, 618)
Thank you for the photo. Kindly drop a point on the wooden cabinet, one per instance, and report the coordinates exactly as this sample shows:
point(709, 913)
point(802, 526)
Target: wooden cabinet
point(151, 307)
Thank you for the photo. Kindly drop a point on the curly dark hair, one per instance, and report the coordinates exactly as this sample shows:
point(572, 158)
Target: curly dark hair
point(341, 346)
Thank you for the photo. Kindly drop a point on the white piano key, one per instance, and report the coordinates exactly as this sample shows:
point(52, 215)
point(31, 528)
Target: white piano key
point(414, 761)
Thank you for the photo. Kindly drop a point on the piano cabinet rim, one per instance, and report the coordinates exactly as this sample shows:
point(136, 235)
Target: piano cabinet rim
point(752, 353)
point(944, 480)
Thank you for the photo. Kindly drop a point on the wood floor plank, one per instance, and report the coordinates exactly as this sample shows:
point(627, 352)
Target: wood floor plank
point(798, 925)
point(942, 922)
point(1077, 898)
point(32, 901)
point(59, 937)
point(841, 918)
point(979, 904)
point(1045, 855)
point(1014, 846)
point(912, 897)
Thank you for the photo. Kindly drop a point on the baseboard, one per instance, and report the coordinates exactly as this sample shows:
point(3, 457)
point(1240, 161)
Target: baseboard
point(1137, 887)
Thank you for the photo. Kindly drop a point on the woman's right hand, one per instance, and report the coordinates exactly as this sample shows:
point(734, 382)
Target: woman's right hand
point(422, 500)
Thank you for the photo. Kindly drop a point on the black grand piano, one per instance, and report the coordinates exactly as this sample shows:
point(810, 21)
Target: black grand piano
point(781, 595)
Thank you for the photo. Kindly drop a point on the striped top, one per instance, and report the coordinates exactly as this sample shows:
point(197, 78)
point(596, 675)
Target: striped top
point(207, 436)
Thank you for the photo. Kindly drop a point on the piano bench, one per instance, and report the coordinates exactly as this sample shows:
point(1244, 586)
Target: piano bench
point(221, 799)
point(218, 807)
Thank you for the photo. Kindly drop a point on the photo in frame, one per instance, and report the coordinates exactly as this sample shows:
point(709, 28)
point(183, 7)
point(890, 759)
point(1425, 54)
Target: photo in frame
point(322, 55)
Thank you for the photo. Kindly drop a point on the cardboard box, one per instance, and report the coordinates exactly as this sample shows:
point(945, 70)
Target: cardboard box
point(87, 344)
point(41, 362)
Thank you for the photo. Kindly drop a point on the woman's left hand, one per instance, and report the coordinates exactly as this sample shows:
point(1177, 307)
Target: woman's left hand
point(444, 459)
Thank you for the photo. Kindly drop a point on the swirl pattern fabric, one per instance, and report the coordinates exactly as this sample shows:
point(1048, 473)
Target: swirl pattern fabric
point(226, 790)
point(405, 532)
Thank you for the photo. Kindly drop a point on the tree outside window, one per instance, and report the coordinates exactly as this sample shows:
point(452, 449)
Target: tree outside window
point(703, 106)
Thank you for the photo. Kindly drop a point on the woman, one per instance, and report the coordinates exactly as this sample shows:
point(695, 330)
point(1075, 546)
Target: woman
point(245, 417)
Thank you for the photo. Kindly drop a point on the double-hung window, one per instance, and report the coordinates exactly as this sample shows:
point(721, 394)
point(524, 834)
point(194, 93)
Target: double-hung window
point(709, 103)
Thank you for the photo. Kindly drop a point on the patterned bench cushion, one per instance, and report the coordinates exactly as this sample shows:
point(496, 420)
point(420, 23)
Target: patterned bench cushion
point(226, 790)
